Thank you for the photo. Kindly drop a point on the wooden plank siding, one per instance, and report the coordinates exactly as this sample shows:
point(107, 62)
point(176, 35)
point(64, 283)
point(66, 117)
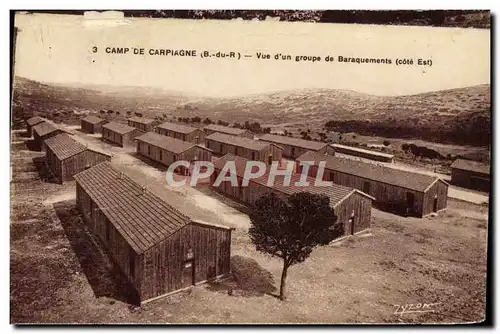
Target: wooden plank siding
point(64, 169)
point(363, 153)
point(123, 140)
point(266, 153)
point(143, 126)
point(354, 203)
point(163, 263)
point(165, 157)
point(214, 128)
point(437, 192)
point(197, 136)
point(386, 195)
point(92, 127)
point(295, 147)
point(38, 141)
point(100, 226)
point(152, 253)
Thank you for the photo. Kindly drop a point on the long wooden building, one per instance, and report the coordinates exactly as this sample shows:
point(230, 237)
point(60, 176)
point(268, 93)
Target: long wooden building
point(120, 134)
point(363, 153)
point(92, 124)
point(395, 190)
point(471, 174)
point(351, 207)
point(215, 128)
point(141, 123)
point(167, 150)
point(181, 132)
point(66, 157)
point(295, 147)
point(247, 148)
point(43, 131)
point(31, 122)
point(157, 248)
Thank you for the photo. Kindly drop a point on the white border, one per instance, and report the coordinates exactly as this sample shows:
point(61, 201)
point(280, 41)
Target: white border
point(191, 4)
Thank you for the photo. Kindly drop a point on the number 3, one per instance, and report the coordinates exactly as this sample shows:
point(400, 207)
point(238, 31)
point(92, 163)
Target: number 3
point(94, 49)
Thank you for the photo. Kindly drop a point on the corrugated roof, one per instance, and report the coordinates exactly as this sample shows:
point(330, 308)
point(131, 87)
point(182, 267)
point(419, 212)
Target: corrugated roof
point(473, 166)
point(118, 127)
point(64, 146)
point(369, 171)
point(335, 192)
point(44, 128)
point(285, 140)
point(92, 119)
point(167, 143)
point(141, 217)
point(362, 150)
point(141, 120)
point(248, 143)
point(225, 129)
point(34, 120)
point(180, 128)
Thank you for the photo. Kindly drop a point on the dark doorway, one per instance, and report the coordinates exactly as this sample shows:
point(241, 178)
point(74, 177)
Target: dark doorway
point(293, 152)
point(410, 200)
point(435, 206)
point(366, 187)
point(351, 223)
point(188, 274)
point(270, 159)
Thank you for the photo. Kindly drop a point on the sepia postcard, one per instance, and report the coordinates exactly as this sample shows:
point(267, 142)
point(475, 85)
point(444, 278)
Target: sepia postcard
point(250, 167)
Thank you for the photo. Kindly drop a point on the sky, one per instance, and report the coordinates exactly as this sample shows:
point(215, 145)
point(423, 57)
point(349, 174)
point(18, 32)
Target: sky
point(59, 49)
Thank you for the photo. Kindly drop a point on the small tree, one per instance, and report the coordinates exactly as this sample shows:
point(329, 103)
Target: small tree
point(386, 143)
point(291, 229)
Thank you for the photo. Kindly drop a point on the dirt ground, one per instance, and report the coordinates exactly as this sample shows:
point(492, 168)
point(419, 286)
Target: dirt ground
point(61, 274)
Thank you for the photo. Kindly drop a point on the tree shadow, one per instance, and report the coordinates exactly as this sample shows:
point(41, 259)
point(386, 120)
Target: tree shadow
point(104, 277)
point(44, 171)
point(248, 279)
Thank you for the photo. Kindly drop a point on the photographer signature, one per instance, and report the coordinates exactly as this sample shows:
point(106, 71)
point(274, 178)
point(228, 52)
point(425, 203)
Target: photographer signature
point(415, 308)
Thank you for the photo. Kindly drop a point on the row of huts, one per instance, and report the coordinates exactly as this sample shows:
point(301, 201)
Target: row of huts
point(65, 156)
point(352, 208)
point(157, 248)
point(393, 189)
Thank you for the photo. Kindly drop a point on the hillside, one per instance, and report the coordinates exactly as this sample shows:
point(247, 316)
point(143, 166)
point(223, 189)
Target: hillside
point(460, 116)
point(452, 116)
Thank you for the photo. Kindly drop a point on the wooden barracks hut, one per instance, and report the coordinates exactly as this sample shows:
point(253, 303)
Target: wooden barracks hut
point(181, 132)
point(362, 153)
point(295, 147)
point(393, 189)
point(471, 174)
point(352, 207)
point(244, 147)
point(166, 150)
point(92, 124)
point(214, 128)
point(141, 123)
point(120, 134)
point(67, 157)
point(157, 248)
point(43, 131)
point(31, 122)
